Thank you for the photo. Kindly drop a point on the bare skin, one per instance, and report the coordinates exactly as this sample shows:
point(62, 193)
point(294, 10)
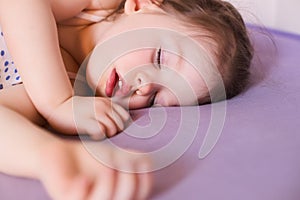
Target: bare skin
point(46, 96)
point(65, 167)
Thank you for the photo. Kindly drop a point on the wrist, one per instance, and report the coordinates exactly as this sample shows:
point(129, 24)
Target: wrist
point(62, 118)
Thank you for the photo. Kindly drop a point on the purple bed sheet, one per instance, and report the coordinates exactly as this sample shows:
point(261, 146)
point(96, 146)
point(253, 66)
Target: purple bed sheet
point(257, 154)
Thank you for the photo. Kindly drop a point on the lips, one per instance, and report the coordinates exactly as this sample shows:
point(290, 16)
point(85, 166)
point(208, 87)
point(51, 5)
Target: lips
point(111, 83)
point(116, 85)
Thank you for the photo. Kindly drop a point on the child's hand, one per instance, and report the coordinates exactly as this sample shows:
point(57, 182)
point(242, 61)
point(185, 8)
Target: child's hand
point(95, 116)
point(70, 172)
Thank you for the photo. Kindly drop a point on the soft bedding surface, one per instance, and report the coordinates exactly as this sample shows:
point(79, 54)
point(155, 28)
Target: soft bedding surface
point(256, 156)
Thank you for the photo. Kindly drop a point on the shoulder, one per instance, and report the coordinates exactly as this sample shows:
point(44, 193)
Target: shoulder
point(66, 9)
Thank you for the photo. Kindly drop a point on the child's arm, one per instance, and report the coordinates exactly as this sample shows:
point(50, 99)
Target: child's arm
point(31, 35)
point(30, 30)
point(66, 168)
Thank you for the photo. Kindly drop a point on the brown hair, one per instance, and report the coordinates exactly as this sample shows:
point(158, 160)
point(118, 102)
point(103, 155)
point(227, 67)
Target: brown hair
point(227, 29)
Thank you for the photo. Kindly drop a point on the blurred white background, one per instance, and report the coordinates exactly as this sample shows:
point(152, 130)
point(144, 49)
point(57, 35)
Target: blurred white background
point(277, 14)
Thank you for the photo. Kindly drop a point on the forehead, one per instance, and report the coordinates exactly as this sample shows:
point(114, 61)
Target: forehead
point(153, 18)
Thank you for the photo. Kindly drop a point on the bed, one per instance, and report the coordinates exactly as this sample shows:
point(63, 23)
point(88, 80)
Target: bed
point(256, 155)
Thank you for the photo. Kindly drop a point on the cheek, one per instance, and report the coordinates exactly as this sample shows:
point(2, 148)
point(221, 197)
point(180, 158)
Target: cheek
point(167, 98)
point(134, 59)
point(137, 102)
point(96, 76)
point(171, 60)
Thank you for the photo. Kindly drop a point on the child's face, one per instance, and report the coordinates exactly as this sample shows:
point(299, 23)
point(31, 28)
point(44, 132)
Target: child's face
point(158, 73)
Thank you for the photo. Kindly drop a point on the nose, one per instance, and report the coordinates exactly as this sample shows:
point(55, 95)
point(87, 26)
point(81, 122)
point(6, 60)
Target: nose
point(144, 90)
point(144, 85)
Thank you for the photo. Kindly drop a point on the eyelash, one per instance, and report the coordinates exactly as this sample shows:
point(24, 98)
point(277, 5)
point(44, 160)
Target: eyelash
point(158, 57)
point(157, 62)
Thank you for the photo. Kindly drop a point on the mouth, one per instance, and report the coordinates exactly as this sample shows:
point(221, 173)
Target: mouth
point(116, 86)
point(111, 83)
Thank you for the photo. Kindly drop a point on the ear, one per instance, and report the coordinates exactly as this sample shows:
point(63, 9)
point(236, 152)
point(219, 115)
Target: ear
point(132, 6)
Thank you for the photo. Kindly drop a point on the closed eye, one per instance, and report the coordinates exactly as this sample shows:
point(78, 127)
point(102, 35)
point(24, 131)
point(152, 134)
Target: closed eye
point(158, 58)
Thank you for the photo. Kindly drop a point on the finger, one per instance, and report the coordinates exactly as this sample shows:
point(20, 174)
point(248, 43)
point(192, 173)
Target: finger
point(95, 130)
point(108, 124)
point(144, 186)
point(143, 165)
point(98, 134)
point(116, 118)
point(124, 114)
point(126, 186)
point(104, 185)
